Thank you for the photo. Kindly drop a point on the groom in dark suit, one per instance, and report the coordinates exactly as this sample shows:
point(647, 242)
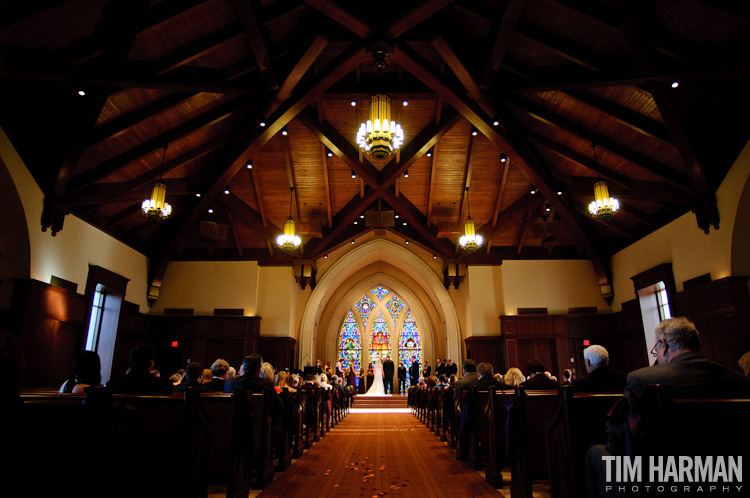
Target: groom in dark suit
point(414, 373)
point(388, 375)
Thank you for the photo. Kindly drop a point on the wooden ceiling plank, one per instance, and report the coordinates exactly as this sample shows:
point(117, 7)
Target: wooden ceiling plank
point(248, 215)
point(110, 167)
point(562, 47)
point(418, 221)
point(633, 120)
point(342, 17)
point(639, 191)
point(251, 142)
point(518, 208)
point(122, 21)
point(298, 71)
point(111, 192)
point(543, 115)
point(633, 16)
point(327, 184)
point(182, 159)
point(199, 48)
point(500, 46)
point(416, 16)
point(433, 179)
point(519, 240)
point(121, 125)
point(418, 146)
point(462, 73)
point(19, 12)
point(531, 165)
point(255, 41)
point(126, 213)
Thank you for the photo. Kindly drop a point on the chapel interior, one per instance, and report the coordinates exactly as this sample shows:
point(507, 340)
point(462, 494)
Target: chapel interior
point(247, 114)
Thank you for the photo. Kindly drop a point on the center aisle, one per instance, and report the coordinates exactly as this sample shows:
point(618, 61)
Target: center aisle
point(374, 454)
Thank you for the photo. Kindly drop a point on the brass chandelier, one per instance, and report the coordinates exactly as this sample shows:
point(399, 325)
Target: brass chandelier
point(380, 135)
point(289, 239)
point(603, 206)
point(156, 206)
point(470, 240)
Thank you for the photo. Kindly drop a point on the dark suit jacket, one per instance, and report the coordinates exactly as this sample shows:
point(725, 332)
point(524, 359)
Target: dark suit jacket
point(485, 383)
point(401, 372)
point(216, 385)
point(540, 382)
point(414, 371)
point(140, 383)
point(256, 384)
point(451, 369)
point(388, 369)
point(601, 380)
point(468, 380)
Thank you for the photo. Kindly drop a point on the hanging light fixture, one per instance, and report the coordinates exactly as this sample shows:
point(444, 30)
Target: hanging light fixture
point(156, 206)
point(470, 240)
point(289, 239)
point(603, 206)
point(380, 136)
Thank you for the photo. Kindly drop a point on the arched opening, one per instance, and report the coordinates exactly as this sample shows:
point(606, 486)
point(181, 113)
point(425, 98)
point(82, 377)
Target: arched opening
point(339, 287)
point(741, 235)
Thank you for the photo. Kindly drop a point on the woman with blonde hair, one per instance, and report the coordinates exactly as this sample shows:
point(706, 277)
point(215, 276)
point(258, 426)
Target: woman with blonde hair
point(513, 377)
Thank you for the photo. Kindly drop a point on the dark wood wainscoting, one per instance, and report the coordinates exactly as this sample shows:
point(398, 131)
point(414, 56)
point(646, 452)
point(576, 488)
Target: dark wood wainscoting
point(278, 351)
point(49, 323)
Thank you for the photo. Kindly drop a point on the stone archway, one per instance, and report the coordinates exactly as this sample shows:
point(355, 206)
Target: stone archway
point(403, 260)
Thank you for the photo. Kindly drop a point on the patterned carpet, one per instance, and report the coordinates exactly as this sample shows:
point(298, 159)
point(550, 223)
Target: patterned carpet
point(379, 454)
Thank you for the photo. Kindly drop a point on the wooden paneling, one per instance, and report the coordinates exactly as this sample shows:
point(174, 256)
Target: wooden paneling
point(278, 351)
point(485, 349)
point(48, 321)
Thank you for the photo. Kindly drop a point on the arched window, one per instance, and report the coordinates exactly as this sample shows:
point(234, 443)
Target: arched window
point(350, 346)
point(371, 322)
point(410, 345)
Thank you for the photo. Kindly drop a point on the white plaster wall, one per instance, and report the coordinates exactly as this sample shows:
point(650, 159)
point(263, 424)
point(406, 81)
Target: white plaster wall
point(79, 244)
point(691, 252)
point(486, 299)
point(553, 284)
point(206, 285)
point(276, 301)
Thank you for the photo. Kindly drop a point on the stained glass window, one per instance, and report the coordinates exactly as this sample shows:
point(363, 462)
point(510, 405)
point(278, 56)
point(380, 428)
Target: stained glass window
point(410, 346)
point(394, 306)
point(364, 306)
point(350, 347)
point(380, 341)
point(380, 291)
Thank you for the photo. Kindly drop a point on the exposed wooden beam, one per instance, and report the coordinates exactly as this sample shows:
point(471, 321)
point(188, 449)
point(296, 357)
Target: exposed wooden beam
point(327, 184)
point(298, 71)
point(639, 191)
point(633, 16)
point(500, 46)
point(418, 221)
point(416, 16)
point(501, 192)
point(251, 141)
point(545, 116)
point(17, 12)
point(519, 240)
point(256, 42)
point(121, 19)
point(113, 165)
point(342, 17)
point(105, 193)
point(518, 208)
point(118, 218)
point(187, 54)
point(246, 214)
point(235, 233)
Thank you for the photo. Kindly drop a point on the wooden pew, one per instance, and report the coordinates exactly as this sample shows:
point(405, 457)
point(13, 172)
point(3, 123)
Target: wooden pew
point(250, 449)
point(577, 422)
point(126, 444)
point(498, 434)
point(449, 418)
point(478, 403)
point(284, 436)
point(310, 413)
point(296, 424)
point(438, 403)
point(218, 407)
point(528, 449)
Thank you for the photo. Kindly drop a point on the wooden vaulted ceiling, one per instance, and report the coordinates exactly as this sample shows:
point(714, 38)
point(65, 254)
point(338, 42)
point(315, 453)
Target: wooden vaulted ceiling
point(578, 89)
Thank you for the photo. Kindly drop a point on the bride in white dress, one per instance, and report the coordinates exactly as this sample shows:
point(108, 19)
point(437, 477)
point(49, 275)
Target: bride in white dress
point(376, 389)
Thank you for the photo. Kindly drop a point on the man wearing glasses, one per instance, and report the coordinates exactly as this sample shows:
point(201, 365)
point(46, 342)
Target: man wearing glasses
point(679, 364)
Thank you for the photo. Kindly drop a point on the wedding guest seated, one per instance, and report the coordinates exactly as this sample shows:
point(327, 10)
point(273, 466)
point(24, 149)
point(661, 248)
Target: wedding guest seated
point(176, 378)
point(220, 372)
point(285, 380)
point(139, 379)
point(598, 378)
point(486, 377)
point(537, 378)
point(513, 378)
point(231, 373)
point(208, 376)
point(193, 378)
point(499, 377)
point(250, 379)
point(86, 372)
point(470, 377)
point(744, 363)
point(567, 377)
point(322, 381)
point(431, 381)
point(443, 381)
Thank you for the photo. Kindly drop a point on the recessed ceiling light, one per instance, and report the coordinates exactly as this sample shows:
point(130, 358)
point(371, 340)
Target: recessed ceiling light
point(396, 216)
point(496, 123)
point(354, 175)
point(533, 191)
point(407, 242)
point(210, 211)
point(503, 158)
point(675, 84)
point(226, 191)
point(325, 257)
point(284, 132)
point(559, 192)
point(197, 194)
point(429, 153)
point(434, 257)
point(353, 103)
point(474, 131)
point(81, 93)
point(262, 123)
point(406, 174)
point(404, 223)
point(329, 153)
point(249, 165)
point(405, 103)
point(361, 215)
point(352, 242)
point(355, 222)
